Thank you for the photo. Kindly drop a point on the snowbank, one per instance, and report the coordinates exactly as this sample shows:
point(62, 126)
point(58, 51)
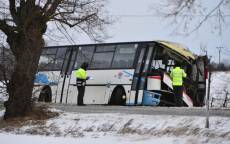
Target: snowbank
point(28, 139)
point(125, 128)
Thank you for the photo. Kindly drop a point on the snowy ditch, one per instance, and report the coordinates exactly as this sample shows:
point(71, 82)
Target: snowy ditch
point(78, 125)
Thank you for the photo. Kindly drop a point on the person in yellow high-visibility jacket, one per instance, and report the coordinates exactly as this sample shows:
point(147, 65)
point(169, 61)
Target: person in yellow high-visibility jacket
point(81, 75)
point(177, 75)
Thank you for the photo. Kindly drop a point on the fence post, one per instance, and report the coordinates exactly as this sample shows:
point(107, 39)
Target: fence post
point(225, 99)
point(212, 101)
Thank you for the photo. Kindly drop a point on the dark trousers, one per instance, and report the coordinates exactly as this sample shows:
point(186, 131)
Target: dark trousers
point(81, 92)
point(178, 92)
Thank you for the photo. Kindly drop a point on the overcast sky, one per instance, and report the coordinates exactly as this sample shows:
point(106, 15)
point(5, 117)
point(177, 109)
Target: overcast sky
point(134, 23)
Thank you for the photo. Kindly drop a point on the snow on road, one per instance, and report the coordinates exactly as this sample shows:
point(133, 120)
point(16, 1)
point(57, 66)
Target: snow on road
point(101, 128)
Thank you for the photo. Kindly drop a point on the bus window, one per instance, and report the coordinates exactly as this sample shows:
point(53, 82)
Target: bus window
point(102, 60)
point(46, 62)
point(85, 54)
point(158, 64)
point(124, 56)
point(105, 48)
point(52, 59)
point(103, 56)
point(49, 51)
point(60, 58)
point(47, 59)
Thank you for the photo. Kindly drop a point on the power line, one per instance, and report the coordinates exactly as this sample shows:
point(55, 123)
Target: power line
point(158, 15)
point(226, 53)
point(227, 50)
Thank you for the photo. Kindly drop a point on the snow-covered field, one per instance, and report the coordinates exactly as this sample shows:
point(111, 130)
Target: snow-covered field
point(120, 128)
point(220, 87)
point(15, 139)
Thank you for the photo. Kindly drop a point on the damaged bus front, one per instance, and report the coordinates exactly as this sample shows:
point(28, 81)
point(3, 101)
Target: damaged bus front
point(159, 89)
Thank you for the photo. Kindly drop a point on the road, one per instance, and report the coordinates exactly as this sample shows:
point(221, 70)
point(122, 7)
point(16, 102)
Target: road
point(142, 110)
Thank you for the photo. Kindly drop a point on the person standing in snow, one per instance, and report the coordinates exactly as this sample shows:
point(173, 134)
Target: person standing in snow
point(177, 75)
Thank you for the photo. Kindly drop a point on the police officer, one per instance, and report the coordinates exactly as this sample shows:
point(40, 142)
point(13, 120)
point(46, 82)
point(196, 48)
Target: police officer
point(81, 81)
point(177, 75)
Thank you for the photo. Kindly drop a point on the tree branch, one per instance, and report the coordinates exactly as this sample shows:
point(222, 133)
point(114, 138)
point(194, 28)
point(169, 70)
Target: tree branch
point(45, 7)
point(181, 6)
point(13, 10)
point(78, 21)
point(51, 8)
point(7, 29)
point(207, 16)
point(31, 3)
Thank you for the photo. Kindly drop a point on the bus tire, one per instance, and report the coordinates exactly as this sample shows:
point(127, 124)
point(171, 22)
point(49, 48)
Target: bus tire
point(45, 95)
point(118, 96)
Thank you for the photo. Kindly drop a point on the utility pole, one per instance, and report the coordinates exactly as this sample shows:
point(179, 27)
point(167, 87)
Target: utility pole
point(219, 49)
point(208, 95)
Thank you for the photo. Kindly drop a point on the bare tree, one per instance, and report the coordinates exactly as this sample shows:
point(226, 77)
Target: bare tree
point(24, 22)
point(191, 15)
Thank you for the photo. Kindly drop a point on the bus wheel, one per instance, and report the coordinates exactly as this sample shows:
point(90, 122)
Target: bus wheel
point(118, 97)
point(45, 95)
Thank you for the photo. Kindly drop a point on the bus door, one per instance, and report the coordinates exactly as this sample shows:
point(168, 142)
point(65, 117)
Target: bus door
point(140, 75)
point(65, 74)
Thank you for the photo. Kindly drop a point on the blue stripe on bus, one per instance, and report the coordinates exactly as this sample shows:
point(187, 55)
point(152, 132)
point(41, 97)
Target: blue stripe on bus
point(128, 73)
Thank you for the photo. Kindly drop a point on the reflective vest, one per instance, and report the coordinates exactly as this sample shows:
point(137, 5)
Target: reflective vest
point(81, 74)
point(177, 75)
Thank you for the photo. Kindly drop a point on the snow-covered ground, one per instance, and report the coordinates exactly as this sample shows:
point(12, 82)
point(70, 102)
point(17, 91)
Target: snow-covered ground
point(120, 128)
point(27, 139)
point(220, 87)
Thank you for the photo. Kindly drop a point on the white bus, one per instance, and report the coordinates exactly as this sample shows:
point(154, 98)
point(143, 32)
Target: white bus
point(127, 73)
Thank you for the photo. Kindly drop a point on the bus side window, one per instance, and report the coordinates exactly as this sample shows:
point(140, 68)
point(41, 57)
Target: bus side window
point(102, 57)
point(85, 54)
point(47, 59)
point(102, 60)
point(60, 56)
point(124, 56)
point(45, 62)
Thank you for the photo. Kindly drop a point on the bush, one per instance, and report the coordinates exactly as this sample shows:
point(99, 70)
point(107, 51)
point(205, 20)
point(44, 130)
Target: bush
point(220, 67)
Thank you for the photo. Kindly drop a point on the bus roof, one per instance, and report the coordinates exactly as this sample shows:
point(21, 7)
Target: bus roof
point(178, 48)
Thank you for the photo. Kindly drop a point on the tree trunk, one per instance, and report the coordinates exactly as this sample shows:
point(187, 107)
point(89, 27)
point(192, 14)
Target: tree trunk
point(27, 51)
